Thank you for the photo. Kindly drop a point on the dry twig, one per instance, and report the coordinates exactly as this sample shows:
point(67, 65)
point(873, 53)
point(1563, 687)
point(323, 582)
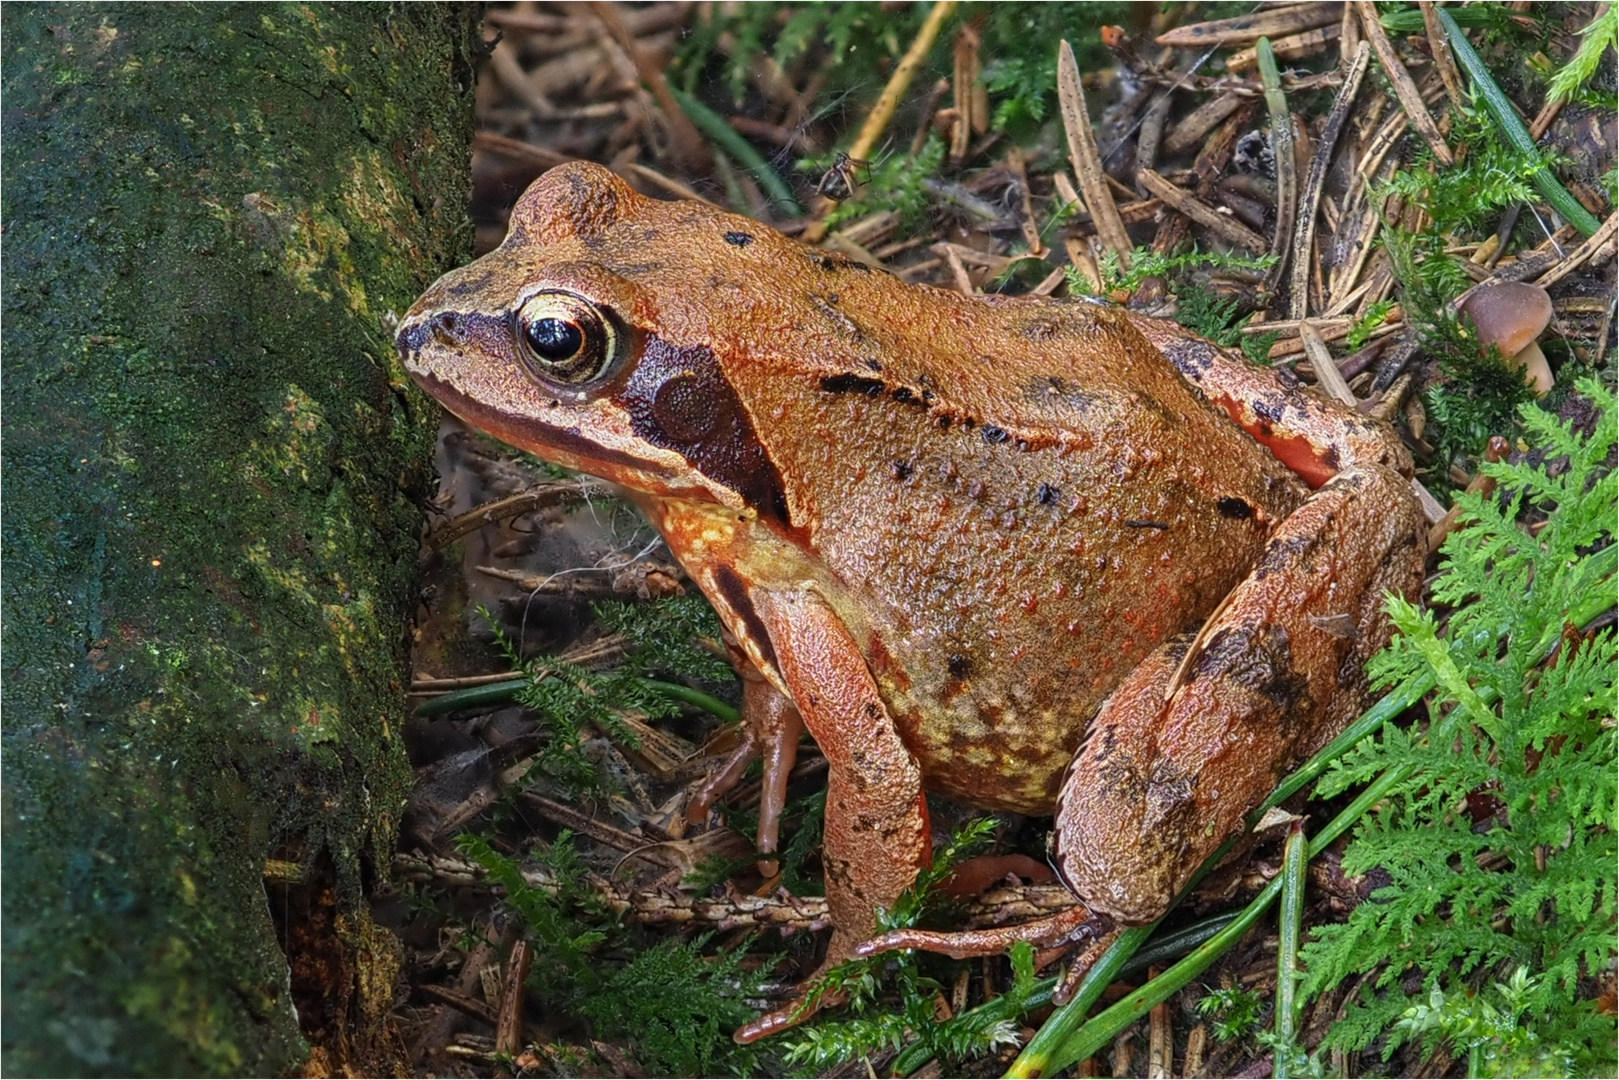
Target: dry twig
point(1304, 240)
point(1600, 241)
point(1200, 121)
point(688, 149)
point(1442, 59)
point(1182, 202)
point(1250, 28)
point(539, 497)
point(1326, 371)
point(509, 1022)
point(1293, 47)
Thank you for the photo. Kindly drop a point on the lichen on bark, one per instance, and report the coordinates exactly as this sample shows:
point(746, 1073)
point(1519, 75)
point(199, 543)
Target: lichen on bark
point(212, 466)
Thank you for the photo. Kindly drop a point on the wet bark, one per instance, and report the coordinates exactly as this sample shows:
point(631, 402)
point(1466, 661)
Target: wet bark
point(212, 470)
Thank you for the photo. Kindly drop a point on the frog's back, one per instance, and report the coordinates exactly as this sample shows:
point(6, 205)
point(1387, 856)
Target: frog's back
point(1015, 500)
point(1025, 501)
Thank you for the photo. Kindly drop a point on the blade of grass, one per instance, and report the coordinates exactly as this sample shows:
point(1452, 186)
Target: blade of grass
point(1512, 126)
point(713, 125)
point(1108, 1023)
point(1294, 867)
point(1162, 949)
point(1035, 1059)
point(502, 692)
point(1287, 173)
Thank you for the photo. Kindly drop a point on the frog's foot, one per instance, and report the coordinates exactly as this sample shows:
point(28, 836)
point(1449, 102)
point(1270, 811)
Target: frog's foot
point(803, 1006)
point(1053, 935)
point(723, 782)
point(771, 727)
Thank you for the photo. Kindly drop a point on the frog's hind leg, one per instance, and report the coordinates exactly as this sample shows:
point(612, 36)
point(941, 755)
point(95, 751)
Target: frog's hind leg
point(1199, 734)
point(1203, 728)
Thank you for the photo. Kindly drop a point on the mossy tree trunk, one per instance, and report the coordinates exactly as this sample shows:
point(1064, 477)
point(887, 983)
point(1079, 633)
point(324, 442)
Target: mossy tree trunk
point(212, 463)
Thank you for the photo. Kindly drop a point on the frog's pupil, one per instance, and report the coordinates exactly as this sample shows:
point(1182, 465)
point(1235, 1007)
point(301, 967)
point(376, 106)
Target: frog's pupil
point(555, 339)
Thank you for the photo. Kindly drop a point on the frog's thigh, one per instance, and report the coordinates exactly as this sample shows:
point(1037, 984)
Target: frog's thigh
point(1158, 785)
point(877, 836)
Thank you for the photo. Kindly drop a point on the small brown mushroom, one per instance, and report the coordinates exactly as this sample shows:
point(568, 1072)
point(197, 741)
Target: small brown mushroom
point(1511, 315)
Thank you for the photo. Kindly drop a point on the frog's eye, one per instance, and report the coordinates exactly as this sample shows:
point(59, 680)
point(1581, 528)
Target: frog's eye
point(566, 338)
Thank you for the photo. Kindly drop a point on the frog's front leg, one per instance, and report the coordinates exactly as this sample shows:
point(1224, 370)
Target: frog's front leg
point(771, 727)
point(877, 837)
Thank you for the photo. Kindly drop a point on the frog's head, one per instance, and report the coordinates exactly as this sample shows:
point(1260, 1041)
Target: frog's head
point(577, 340)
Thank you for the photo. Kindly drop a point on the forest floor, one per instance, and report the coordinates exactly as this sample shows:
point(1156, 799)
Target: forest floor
point(560, 915)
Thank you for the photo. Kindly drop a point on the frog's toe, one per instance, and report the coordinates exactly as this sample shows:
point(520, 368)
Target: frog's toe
point(800, 1009)
point(1068, 985)
point(1052, 932)
point(724, 780)
point(770, 731)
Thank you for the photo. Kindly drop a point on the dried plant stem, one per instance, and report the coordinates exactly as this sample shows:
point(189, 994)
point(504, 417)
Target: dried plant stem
point(518, 149)
point(1442, 59)
point(688, 149)
point(1305, 232)
point(1200, 121)
point(509, 1025)
point(1404, 88)
point(1602, 238)
point(539, 497)
point(1031, 227)
point(1246, 28)
point(1292, 47)
point(1211, 161)
point(1160, 1038)
point(1326, 369)
point(899, 82)
point(881, 113)
point(1200, 212)
point(1086, 159)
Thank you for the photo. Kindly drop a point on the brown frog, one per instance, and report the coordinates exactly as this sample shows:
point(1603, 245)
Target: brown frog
point(1038, 555)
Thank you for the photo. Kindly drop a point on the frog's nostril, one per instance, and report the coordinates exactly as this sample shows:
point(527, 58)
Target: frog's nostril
point(446, 329)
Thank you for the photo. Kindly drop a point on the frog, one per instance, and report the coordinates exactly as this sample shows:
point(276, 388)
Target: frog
point(1038, 555)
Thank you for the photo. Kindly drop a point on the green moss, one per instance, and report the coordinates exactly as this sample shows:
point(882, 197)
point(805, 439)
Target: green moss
point(211, 466)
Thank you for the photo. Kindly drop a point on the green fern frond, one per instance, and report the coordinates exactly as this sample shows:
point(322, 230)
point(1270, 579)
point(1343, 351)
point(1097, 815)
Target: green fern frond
point(1499, 849)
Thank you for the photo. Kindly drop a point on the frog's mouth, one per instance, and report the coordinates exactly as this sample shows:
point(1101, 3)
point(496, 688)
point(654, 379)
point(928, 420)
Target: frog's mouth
point(561, 442)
